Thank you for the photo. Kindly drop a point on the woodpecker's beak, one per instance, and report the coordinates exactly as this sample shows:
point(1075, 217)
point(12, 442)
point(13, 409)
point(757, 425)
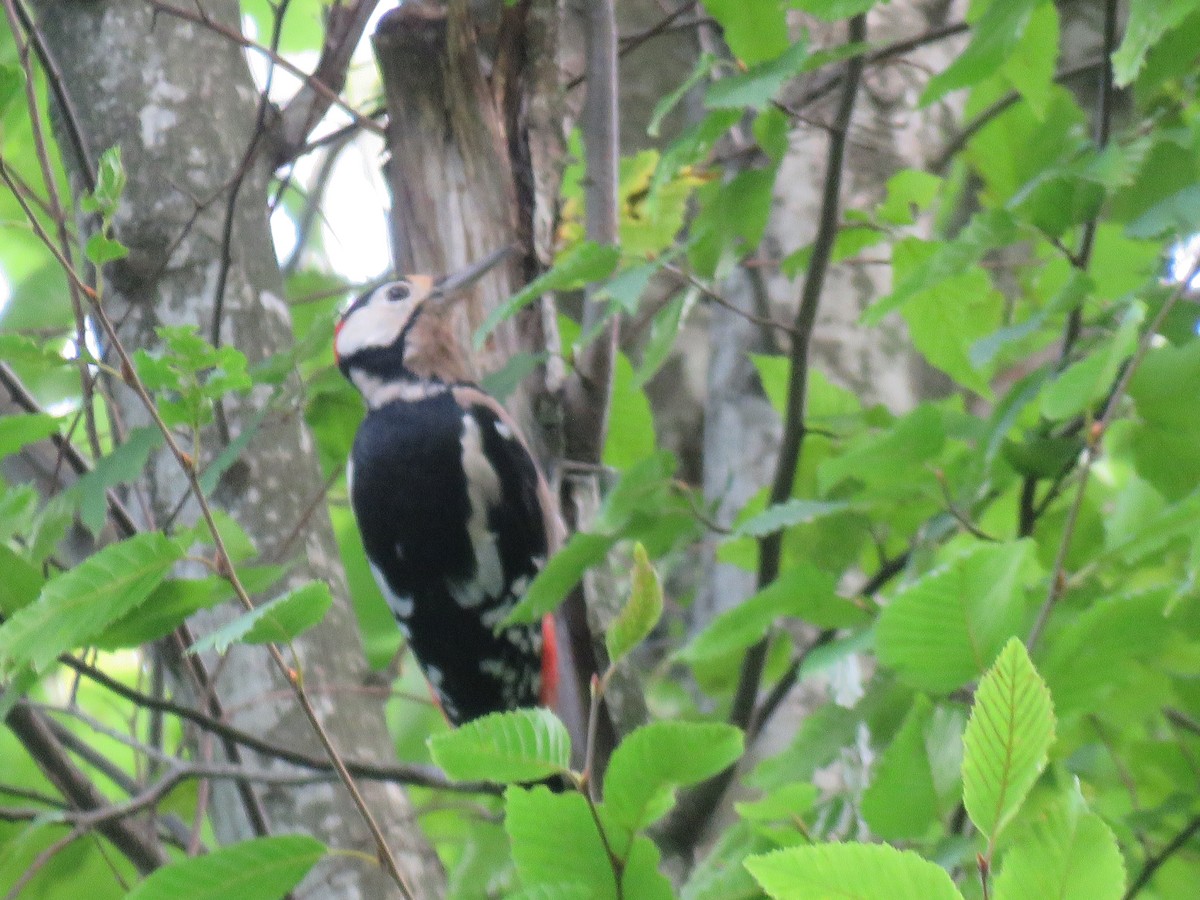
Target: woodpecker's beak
point(455, 282)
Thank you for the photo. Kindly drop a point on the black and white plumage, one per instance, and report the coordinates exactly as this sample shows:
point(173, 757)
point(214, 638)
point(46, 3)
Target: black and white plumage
point(453, 512)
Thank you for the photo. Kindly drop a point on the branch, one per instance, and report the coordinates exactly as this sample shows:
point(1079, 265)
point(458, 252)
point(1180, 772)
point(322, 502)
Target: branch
point(319, 87)
point(1155, 862)
point(695, 808)
point(1095, 437)
point(421, 776)
point(135, 842)
point(588, 393)
point(344, 26)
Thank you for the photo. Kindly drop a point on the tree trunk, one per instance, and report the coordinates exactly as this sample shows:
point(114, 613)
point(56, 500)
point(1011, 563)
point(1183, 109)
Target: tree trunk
point(178, 99)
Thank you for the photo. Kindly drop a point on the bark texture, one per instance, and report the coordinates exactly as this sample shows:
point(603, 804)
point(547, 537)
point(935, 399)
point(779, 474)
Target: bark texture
point(178, 99)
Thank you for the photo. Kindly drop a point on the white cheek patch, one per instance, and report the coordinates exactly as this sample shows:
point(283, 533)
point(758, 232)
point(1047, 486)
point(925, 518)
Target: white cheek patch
point(376, 324)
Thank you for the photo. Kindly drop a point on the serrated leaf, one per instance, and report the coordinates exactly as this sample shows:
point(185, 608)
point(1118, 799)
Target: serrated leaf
point(18, 431)
point(1088, 380)
point(668, 102)
point(1008, 735)
point(229, 454)
point(555, 841)
point(755, 30)
point(1174, 216)
point(561, 573)
point(260, 869)
point(176, 599)
point(277, 620)
point(12, 79)
point(642, 611)
point(832, 10)
point(1067, 852)
point(522, 745)
point(852, 872)
point(654, 760)
point(1148, 21)
point(993, 39)
point(124, 464)
point(785, 515)
point(78, 604)
point(21, 583)
point(756, 87)
point(901, 802)
point(582, 264)
point(101, 249)
point(801, 592)
point(944, 629)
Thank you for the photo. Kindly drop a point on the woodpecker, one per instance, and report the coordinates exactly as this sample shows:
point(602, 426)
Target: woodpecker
point(453, 511)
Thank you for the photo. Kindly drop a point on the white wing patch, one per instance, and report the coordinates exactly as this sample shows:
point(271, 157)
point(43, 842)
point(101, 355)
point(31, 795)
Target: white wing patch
point(483, 490)
point(503, 430)
point(401, 607)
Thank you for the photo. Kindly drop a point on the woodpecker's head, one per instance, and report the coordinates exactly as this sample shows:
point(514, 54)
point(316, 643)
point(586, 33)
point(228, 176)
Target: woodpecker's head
point(396, 341)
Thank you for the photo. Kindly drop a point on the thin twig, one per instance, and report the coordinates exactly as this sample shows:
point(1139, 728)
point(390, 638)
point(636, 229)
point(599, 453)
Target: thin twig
point(1095, 437)
point(202, 18)
point(1155, 862)
point(421, 776)
point(696, 807)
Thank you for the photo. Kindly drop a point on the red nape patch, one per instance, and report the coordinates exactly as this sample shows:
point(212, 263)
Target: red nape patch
point(549, 695)
point(337, 327)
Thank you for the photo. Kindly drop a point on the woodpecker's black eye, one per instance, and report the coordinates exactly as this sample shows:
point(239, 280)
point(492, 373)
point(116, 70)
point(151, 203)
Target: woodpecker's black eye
point(399, 291)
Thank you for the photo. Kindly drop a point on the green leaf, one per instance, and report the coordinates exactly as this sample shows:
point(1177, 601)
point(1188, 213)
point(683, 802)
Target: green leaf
point(641, 613)
point(944, 629)
point(110, 184)
point(125, 464)
point(1148, 21)
point(277, 620)
point(850, 871)
point(522, 745)
point(832, 10)
point(757, 87)
point(1067, 852)
point(582, 264)
point(901, 802)
point(1008, 735)
point(786, 514)
point(101, 249)
point(1176, 216)
point(948, 317)
point(1030, 68)
point(908, 192)
point(993, 39)
point(755, 30)
point(801, 592)
point(654, 760)
point(1086, 382)
point(12, 80)
point(17, 431)
point(78, 604)
point(640, 877)
point(664, 329)
point(176, 599)
point(260, 869)
point(663, 107)
point(555, 841)
point(229, 454)
point(21, 583)
point(561, 573)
